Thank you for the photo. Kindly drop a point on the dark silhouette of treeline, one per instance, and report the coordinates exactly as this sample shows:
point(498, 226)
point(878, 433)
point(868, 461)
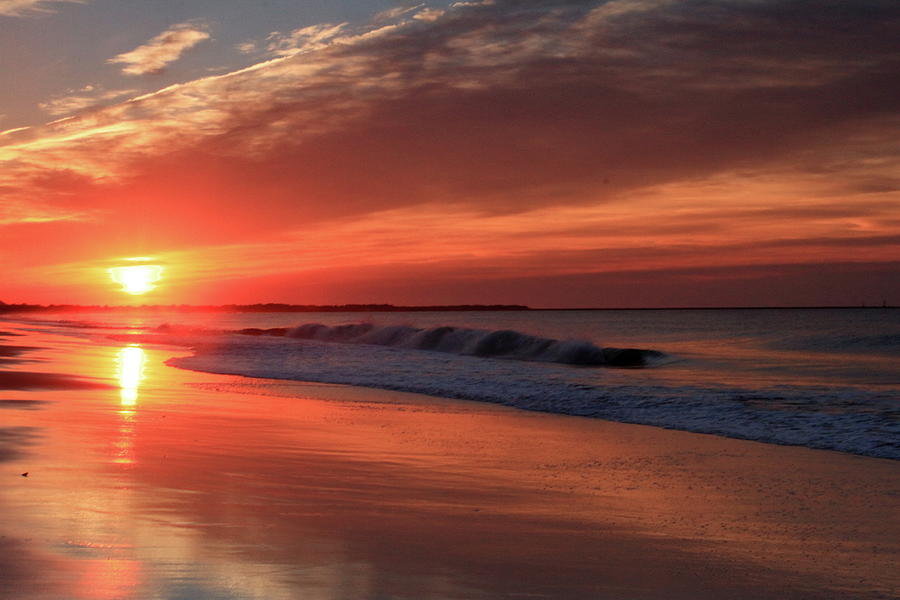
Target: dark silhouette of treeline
point(268, 307)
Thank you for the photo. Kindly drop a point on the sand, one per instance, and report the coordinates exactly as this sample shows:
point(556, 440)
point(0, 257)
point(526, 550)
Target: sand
point(146, 481)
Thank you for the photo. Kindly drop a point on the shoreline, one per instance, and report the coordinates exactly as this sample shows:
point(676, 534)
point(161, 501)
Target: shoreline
point(543, 411)
point(796, 387)
point(561, 394)
point(437, 498)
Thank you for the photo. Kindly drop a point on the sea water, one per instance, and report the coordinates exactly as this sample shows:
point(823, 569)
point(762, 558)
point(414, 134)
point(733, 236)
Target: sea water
point(821, 378)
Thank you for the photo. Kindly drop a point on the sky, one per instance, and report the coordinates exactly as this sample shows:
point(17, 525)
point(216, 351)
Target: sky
point(554, 153)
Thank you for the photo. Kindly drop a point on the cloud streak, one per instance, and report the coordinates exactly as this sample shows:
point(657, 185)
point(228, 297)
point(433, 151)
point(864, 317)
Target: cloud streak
point(162, 50)
point(21, 8)
point(78, 100)
point(305, 39)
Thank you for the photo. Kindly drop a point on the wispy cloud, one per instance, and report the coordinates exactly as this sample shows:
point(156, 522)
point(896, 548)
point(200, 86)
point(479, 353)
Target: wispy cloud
point(392, 14)
point(75, 100)
point(14, 130)
point(19, 214)
point(429, 14)
point(20, 8)
point(247, 47)
point(162, 50)
point(599, 97)
point(305, 39)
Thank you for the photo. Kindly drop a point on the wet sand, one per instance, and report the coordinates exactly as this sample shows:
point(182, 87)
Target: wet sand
point(146, 481)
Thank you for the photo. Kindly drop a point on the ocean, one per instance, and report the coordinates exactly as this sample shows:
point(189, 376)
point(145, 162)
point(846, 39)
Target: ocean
point(820, 378)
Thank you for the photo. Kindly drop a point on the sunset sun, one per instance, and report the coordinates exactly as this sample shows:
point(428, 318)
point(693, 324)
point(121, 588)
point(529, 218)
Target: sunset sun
point(136, 279)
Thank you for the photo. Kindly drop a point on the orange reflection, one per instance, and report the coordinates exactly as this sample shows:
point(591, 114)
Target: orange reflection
point(130, 362)
point(130, 366)
point(108, 578)
point(123, 447)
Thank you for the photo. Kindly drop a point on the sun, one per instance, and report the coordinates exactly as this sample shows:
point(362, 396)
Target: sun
point(136, 279)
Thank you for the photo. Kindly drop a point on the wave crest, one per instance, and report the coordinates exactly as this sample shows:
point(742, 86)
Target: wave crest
point(502, 343)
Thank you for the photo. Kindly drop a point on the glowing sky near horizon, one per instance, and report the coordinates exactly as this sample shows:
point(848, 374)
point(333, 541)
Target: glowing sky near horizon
point(545, 152)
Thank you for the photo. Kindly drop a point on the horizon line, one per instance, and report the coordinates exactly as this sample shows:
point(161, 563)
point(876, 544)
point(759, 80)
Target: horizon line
point(387, 307)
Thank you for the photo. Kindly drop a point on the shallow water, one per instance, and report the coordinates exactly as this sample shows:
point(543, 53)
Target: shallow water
point(822, 378)
point(145, 481)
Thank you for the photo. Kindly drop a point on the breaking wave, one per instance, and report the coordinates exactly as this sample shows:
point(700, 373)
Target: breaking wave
point(836, 418)
point(503, 343)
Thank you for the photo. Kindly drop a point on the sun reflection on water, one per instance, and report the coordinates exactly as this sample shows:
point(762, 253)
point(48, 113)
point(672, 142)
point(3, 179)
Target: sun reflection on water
point(130, 362)
point(130, 365)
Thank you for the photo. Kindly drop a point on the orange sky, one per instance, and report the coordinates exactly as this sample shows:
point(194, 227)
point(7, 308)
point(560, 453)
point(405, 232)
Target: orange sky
point(551, 153)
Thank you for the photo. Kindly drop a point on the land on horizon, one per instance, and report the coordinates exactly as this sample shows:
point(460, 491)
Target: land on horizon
point(260, 307)
point(284, 307)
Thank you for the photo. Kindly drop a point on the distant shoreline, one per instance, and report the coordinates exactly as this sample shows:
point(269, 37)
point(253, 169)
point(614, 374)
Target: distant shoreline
point(264, 308)
point(349, 308)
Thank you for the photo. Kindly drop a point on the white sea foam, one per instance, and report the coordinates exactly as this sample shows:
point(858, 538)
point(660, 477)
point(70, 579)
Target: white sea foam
point(838, 418)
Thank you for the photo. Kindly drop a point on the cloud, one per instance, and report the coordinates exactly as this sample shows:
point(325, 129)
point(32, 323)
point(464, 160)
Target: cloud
point(17, 214)
point(550, 136)
point(20, 8)
point(74, 101)
point(248, 47)
point(305, 39)
point(395, 13)
point(429, 14)
point(162, 50)
point(13, 130)
point(511, 106)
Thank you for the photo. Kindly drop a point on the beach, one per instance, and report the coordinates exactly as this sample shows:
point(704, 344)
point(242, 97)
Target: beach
point(147, 481)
